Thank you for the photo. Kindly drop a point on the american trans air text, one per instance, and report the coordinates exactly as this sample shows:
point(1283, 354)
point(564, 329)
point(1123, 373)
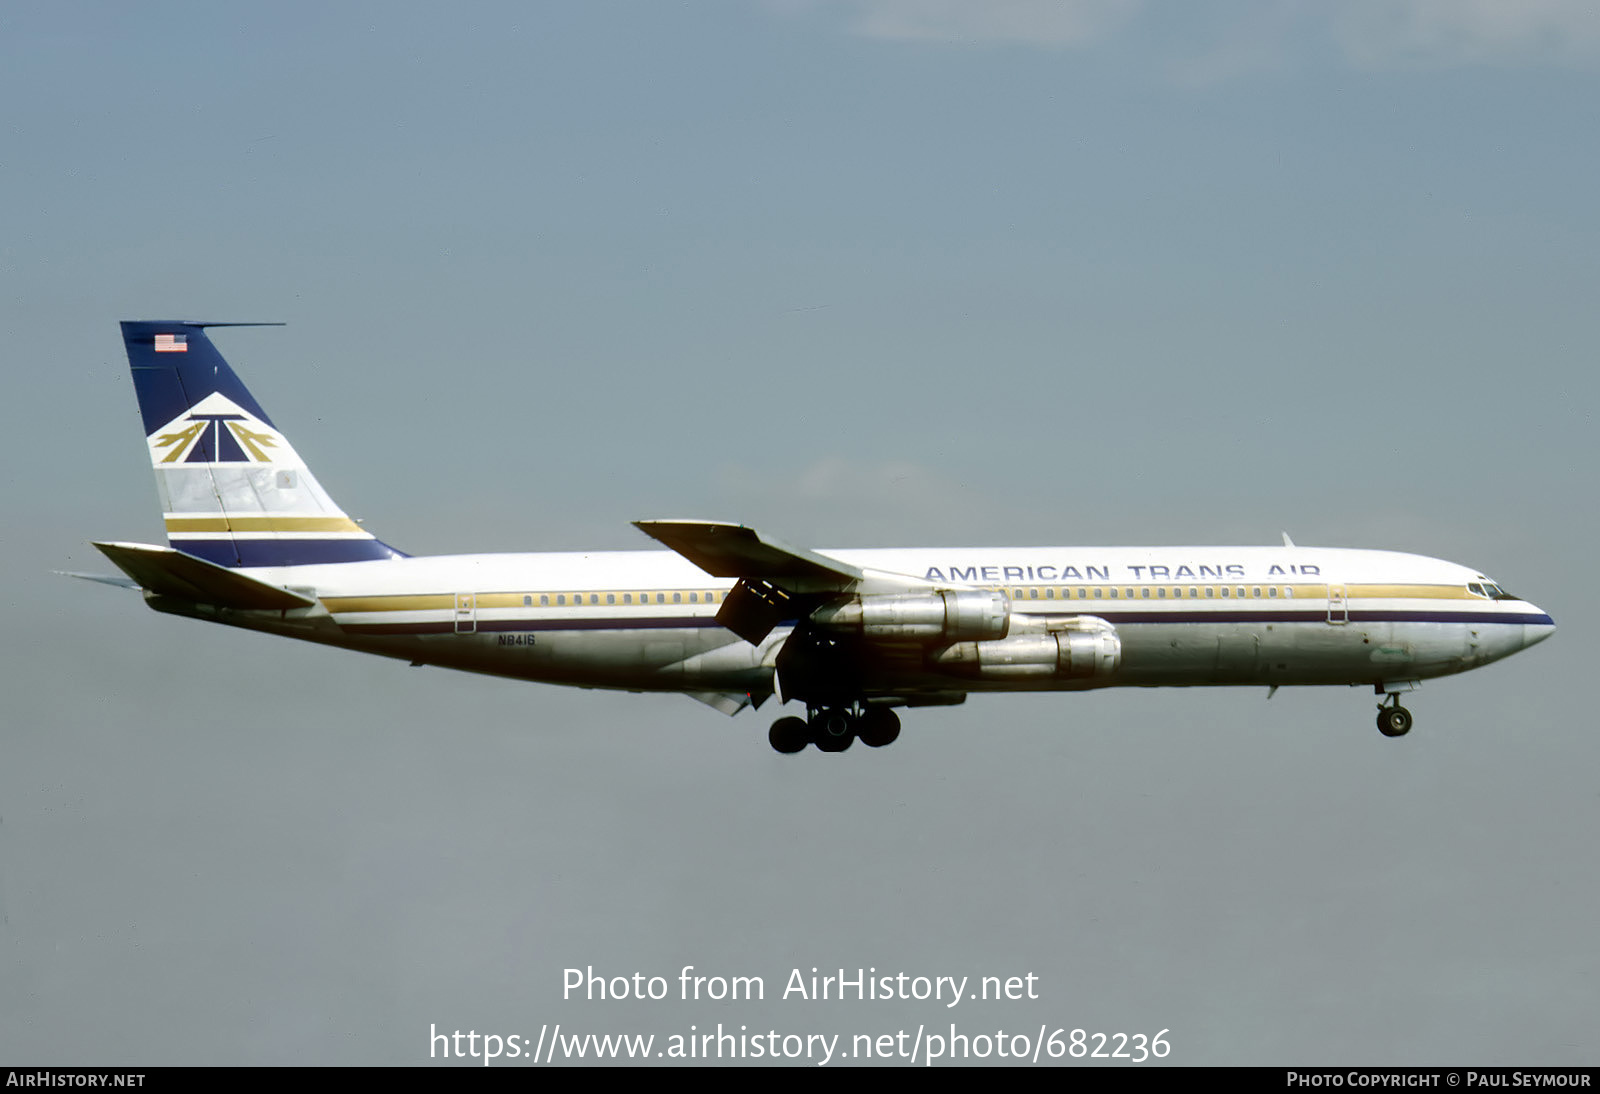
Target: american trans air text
point(1088, 571)
point(733, 618)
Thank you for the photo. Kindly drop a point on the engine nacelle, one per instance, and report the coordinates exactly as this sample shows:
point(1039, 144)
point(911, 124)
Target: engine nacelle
point(975, 615)
point(1084, 647)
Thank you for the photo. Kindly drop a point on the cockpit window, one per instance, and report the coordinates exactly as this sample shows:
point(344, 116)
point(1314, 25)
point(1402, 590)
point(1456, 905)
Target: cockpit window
point(1490, 590)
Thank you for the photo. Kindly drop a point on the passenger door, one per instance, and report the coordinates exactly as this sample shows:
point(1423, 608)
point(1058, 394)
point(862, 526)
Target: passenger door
point(1338, 605)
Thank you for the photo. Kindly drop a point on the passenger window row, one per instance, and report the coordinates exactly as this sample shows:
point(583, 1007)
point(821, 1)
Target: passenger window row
point(576, 600)
point(1031, 592)
point(1148, 592)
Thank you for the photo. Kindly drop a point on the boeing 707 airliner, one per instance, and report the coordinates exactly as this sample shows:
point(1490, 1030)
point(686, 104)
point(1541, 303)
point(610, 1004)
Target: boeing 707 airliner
point(732, 617)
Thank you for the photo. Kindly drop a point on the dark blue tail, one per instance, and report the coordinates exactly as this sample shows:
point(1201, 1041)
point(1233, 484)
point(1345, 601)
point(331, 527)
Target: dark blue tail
point(233, 490)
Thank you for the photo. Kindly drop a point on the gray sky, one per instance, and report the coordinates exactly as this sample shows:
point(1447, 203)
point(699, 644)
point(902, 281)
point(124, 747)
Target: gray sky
point(863, 273)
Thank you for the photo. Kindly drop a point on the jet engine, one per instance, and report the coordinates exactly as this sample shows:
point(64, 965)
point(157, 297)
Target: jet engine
point(1076, 648)
point(971, 615)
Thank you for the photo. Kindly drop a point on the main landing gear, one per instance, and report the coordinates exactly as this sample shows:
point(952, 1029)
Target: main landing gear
point(834, 729)
point(1394, 720)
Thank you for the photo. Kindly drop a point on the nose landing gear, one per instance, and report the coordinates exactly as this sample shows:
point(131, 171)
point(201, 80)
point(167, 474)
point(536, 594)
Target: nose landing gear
point(1394, 720)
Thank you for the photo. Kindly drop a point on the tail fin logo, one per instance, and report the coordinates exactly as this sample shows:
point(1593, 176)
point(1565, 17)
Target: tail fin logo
point(215, 430)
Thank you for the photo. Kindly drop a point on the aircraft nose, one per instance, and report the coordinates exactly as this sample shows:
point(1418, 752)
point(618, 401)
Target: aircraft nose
point(1534, 633)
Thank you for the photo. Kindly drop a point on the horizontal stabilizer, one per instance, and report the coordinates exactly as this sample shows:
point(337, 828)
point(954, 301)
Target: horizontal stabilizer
point(168, 572)
point(104, 579)
point(733, 550)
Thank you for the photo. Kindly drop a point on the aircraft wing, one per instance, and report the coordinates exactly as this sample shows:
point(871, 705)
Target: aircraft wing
point(168, 572)
point(733, 550)
point(777, 583)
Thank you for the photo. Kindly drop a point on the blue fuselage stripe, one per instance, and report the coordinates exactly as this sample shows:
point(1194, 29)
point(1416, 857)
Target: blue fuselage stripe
point(611, 623)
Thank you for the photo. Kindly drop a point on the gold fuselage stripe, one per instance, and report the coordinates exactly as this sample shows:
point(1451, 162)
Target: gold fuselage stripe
point(262, 524)
point(480, 601)
point(1311, 594)
point(391, 603)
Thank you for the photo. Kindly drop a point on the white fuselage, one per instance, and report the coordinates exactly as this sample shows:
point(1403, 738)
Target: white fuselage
point(646, 620)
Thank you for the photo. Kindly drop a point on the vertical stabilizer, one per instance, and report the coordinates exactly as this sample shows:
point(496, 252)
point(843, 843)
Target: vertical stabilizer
point(233, 489)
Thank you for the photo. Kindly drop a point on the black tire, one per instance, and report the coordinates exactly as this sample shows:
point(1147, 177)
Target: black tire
point(1394, 721)
point(833, 731)
point(789, 735)
point(878, 727)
